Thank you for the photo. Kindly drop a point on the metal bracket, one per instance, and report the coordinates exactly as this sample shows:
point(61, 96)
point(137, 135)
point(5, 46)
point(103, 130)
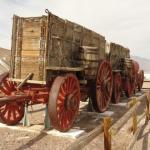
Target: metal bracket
point(90, 106)
point(26, 121)
point(46, 119)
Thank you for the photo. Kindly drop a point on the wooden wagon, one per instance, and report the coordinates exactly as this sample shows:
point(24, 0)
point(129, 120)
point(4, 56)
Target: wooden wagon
point(57, 62)
point(127, 75)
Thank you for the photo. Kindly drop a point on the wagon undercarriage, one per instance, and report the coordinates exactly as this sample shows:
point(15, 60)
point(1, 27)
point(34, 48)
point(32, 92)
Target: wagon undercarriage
point(62, 95)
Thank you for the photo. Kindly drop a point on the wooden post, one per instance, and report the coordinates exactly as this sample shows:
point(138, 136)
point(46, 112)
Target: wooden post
point(107, 133)
point(134, 139)
point(134, 115)
point(147, 107)
point(134, 122)
point(135, 136)
point(117, 126)
point(29, 76)
point(132, 102)
point(13, 45)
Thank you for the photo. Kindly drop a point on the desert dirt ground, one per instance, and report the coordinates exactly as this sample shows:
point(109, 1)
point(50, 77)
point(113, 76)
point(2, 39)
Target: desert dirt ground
point(30, 138)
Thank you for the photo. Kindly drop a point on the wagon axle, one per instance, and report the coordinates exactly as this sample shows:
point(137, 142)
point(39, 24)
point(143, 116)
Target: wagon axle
point(70, 102)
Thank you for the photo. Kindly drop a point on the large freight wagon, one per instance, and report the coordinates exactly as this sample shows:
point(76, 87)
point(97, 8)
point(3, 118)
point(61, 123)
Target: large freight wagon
point(58, 62)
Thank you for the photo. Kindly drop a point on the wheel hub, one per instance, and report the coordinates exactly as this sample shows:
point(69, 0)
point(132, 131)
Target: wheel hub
point(70, 102)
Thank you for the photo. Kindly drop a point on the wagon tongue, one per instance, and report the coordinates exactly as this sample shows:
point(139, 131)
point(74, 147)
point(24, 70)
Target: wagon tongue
point(12, 98)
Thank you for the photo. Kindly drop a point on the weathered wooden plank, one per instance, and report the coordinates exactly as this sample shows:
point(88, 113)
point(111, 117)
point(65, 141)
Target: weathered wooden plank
point(117, 126)
point(30, 64)
point(18, 49)
point(29, 76)
point(12, 98)
point(81, 142)
point(29, 81)
point(32, 44)
point(136, 134)
point(13, 45)
point(43, 24)
point(65, 68)
point(28, 53)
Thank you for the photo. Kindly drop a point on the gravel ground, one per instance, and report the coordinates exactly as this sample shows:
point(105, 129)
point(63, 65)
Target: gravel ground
point(143, 139)
point(19, 140)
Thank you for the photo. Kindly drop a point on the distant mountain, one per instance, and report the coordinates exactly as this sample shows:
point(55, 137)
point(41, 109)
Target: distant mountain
point(4, 59)
point(5, 55)
point(143, 62)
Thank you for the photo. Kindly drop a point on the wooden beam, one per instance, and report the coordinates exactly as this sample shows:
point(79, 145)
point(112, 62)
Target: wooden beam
point(107, 133)
point(7, 99)
point(134, 122)
point(84, 140)
point(147, 107)
point(29, 76)
point(29, 81)
point(65, 69)
point(13, 45)
point(136, 134)
point(134, 139)
point(117, 126)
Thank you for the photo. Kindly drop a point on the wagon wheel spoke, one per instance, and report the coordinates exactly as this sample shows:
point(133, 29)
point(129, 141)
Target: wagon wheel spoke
point(4, 91)
point(64, 101)
point(6, 85)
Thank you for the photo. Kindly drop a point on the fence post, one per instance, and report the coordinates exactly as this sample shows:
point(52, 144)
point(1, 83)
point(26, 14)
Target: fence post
point(147, 107)
point(26, 121)
point(107, 133)
point(134, 115)
point(132, 102)
point(134, 122)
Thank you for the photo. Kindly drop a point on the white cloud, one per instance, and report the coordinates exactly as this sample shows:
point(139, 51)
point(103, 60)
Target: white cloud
point(126, 22)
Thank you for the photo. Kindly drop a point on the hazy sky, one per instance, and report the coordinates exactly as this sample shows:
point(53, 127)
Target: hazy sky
point(126, 22)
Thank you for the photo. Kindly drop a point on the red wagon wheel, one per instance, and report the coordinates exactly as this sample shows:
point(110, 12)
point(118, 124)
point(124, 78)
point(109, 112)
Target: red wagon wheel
point(102, 93)
point(10, 113)
point(64, 100)
point(140, 79)
point(116, 87)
